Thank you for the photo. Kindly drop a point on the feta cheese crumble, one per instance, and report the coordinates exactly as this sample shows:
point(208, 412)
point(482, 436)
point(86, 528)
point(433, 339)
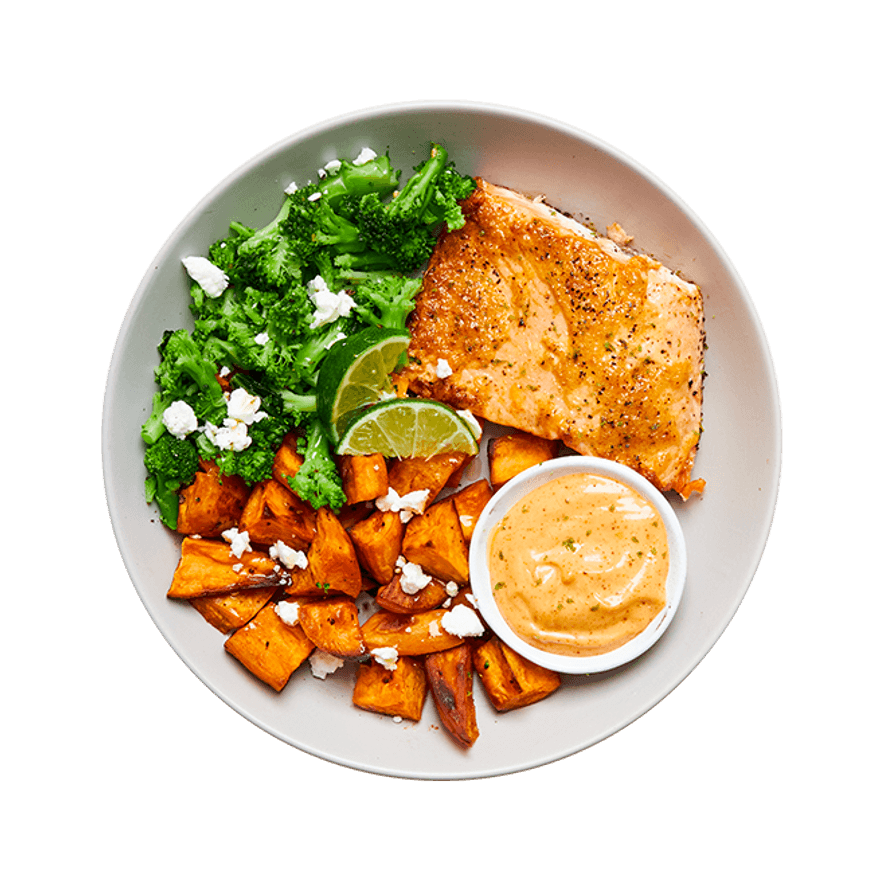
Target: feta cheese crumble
point(239, 542)
point(386, 657)
point(443, 370)
point(244, 407)
point(232, 434)
point(324, 664)
point(328, 305)
point(261, 338)
point(462, 621)
point(412, 578)
point(180, 419)
point(287, 556)
point(406, 505)
point(209, 277)
point(364, 156)
point(288, 612)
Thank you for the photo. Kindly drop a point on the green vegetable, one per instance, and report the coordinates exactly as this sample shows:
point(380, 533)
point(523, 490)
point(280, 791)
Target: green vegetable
point(171, 464)
point(264, 331)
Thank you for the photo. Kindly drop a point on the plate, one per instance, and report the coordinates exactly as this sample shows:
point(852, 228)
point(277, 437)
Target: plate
point(725, 530)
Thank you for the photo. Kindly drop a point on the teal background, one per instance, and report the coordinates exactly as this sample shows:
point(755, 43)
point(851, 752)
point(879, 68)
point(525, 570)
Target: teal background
point(117, 761)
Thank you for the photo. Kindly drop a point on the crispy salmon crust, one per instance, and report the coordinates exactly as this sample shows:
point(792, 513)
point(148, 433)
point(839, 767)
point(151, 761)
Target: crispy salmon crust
point(551, 329)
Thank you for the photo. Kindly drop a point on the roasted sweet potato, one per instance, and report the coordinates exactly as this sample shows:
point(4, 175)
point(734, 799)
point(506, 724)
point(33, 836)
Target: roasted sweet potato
point(450, 678)
point(469, 504)
point(332, 557)
point(377, 541)
point(391, 597)
point(302, 584)
point(211, 504)
point(410, 634)
point(269, 648)
point(364, 477)
point(399, 691)
point(513, 453)
point(435, 541)
point(287, 461)
point(273, 513)
point(413, 474)
point(332, 625)
point(208, 567)
point(510, 680)
point(229, 611)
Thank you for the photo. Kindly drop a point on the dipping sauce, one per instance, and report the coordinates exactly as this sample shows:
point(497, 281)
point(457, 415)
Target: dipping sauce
point(579, 565)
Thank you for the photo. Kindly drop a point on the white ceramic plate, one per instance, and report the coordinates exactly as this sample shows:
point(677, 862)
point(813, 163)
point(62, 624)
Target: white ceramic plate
point(725, 530)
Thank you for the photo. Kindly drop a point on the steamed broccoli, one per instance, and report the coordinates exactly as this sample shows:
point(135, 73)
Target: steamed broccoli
point(171, 464)
point(404, 229)
point(386, 300)
point(317, 480)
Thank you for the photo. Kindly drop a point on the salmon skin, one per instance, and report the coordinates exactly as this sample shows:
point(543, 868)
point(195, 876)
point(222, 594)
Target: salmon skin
point(533, 321)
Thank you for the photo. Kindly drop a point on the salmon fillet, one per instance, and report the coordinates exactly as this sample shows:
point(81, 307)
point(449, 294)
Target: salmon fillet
point(551, 329)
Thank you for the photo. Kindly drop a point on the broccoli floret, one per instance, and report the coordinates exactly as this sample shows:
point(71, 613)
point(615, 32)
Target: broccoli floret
point(171, 464)
point(185, 373)
point(350, 182)
point(317, 480)
point(404, 229)
point(386, 300)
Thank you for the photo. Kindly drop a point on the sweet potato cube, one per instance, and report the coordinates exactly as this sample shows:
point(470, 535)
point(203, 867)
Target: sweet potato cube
point(302, 584)
point(208, 567)
point(469, 504)
point(332, 625)
point(414, 474)
point(435, 541)
point(364, 477)
point(377, 541)
point(269, 648)
point(450, 678)
point(229, 611)
point(512, 454)
point(332, 558)
point(287, 461)
point(274, 513)
point(391, 597)
point(410, 634)
point(510, 680)
point(211, 504)
point(400, 691)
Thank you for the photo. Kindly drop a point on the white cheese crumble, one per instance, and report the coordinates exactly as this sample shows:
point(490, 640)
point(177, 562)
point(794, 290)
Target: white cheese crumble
point(324, 664)
point(452, 588)
point(328, 305)
point(364, 156)
point(406, 505)
point(291, 188)
point(180, 419)
point(386, 657)
point(332, 166)
point(209, 277)
point(412, 578)
point(261, 338)
point(287, 556)
point(443, 370)
point(232, 434)
point(462, 621)
point(239, 541)
point(288, 612)
point(244, 407)
point(315, 196)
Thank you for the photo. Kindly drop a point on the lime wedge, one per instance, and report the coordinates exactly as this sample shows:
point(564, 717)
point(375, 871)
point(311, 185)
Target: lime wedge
point(408, 428)
point(356, 373)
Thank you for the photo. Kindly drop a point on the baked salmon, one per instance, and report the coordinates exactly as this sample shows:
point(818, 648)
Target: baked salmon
point(532, 320)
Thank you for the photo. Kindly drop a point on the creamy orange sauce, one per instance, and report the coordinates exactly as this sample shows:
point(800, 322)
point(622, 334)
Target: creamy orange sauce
point(579, 565)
